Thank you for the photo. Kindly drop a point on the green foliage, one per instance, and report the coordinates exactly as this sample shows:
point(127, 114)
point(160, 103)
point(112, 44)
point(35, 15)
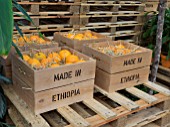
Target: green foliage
point(150, 29)
point(6, 26)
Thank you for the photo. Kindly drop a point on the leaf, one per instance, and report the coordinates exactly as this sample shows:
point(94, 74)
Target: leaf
point(18, 29)
point(17, 50)
point(21, 9)
point(165, 39)
point(6, 26)
point(5, 79)
point(146, 34)
point(3, 104)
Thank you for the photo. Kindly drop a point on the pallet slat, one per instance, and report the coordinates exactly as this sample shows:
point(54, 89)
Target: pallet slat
point(146, 116)
point(16, 117)
point(34, 121)
point(158, 88)
point(130, 105)
point(73, 117)
point(100, 109)
point(148, 98)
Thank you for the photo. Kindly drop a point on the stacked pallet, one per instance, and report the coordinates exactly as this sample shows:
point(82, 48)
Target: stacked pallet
point(114, 108)
point(116, 19)
point(49, 16)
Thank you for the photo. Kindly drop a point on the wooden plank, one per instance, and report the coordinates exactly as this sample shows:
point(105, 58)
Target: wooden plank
point(97, 120)
point(33, 120)
point(164, 70)
point(146, 116)
point(73, 117)
point(148, 98)
point(163, 77)
point(151, 125)
point(100, 109)
point(54, 119)
point(78, 108)
point(16, 117)
point(130, 105)
point(158, 88)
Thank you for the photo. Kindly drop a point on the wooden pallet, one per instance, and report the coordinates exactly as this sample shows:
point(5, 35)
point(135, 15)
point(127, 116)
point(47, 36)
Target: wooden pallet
point(117, 1)
point(116, 20)
point(108, 7)
point(42, 21)
point(104, 108)
point(48, 8)
point(66, 1)
point(163, 75)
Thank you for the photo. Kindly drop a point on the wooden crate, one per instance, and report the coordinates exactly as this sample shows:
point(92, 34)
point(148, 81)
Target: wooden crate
point(31, 46)
point(122, 63)
point(122, 80)
point(77, 44)
point(48, 78)
point(50, 99)
point(113, 109)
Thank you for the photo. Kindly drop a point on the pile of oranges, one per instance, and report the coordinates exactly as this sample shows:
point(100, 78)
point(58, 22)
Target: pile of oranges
point(41, 60)
point(117, 50)
point(22, 41)
point(87, 35)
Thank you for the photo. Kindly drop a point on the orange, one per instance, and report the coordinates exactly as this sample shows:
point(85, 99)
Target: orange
point(94, 37)
point(34, 62)
point(54, 65)
point(23, 39)
point(88, 34)
point(70, 35)
point(14, 40)
point(55, 56)
point(41, 41)
point(64, 54)
point(45, 62)
point(26, 57)
point(39, 56)
point(34, 38)
point(79, 36)
point(72, 59)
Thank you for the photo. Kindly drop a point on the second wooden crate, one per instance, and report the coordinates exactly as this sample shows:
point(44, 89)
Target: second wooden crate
point(118, 72)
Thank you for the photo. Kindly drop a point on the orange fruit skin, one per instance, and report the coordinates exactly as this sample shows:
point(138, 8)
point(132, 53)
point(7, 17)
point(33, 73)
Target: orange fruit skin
point(55, 56)
point(41, 41)
point(64, 54)
point(39, 56)
point(72, 59)
point(54, 65)
point(21, 39)
point(34, 62)
point(26, 57)
point(34, 38)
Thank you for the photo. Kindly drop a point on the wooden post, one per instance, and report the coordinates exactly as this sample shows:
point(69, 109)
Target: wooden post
point(160, 23)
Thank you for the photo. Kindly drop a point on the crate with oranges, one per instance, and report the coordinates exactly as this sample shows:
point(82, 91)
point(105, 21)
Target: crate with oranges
point(119, 64)
point(76, 39)
point(33, 41)
point(53, 77)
